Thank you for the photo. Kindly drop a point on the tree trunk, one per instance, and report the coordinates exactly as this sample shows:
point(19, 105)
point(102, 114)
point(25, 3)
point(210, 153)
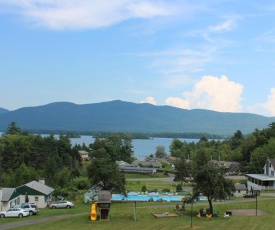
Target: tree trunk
point(210, 205)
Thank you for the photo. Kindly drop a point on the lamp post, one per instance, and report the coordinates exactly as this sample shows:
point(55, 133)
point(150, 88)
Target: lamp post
point(192, 213)
point(257, 193)
point(192, 199)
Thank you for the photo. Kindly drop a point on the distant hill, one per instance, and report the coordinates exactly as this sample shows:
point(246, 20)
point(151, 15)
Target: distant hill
point(120, 116)
point(2, 111)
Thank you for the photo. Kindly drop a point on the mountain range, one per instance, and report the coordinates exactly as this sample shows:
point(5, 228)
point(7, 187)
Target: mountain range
point(121, 116)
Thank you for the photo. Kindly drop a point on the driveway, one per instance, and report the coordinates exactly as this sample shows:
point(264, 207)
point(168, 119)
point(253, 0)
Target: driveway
point(35, 221)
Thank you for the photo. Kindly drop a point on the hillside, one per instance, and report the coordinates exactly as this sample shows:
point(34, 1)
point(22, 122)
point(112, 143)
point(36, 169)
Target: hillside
point(2, 111)
point(119, 116)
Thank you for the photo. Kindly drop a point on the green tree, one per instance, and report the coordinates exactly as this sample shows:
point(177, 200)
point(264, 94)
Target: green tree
point(160, 151)
point(259, 156)
point(209, 181)
point(181, 170)
point(13, 129)
point(106, 170)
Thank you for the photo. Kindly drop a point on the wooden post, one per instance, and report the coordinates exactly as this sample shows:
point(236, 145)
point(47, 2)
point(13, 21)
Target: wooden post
point(135, 206)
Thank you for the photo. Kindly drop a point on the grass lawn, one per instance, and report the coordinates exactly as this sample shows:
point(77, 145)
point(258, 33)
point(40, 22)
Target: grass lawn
point(150, 185)
point(122, 217)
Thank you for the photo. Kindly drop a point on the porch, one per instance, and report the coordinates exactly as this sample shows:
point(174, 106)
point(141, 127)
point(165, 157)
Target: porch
point(260, 182)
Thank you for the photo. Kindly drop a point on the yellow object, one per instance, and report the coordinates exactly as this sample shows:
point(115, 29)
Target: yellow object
point(208, 216)
point(93, 212)
point(199, 215)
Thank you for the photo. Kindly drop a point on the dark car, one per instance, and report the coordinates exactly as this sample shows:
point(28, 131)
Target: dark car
point(249, 196)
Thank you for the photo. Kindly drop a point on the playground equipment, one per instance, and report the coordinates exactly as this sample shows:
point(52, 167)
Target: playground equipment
point(102, 205)
point(94, 211)
point(208, 216)
point(92, 194)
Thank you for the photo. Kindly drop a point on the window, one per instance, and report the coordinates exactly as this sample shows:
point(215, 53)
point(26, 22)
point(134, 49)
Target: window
point(272, 173)
point(36, 198)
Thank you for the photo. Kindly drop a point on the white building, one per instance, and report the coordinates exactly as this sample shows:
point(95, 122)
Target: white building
point(263, 181)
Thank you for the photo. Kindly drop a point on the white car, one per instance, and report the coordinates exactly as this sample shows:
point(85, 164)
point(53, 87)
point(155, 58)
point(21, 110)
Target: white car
point(14, 212)
point(62, 204)
point(32, 208)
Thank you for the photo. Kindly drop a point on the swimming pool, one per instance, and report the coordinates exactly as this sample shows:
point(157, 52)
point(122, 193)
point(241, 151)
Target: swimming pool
point(117, 197)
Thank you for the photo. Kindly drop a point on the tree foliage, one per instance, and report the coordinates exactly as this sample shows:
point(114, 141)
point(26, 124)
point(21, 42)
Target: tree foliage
point(210, 181)
point(106, 171)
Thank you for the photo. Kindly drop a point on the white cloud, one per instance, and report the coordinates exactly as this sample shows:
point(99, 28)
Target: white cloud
point(270, 104)
point(69, 14)
point(267, 108)
point(225, 26)
point(211, 93)
point(177, 102)
point(149, 100)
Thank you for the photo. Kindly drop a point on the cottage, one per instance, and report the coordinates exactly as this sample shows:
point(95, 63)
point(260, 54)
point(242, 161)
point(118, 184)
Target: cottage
point(33, 192)
point(9, 197)
point(240, 189)
point(263, 181)
point(84, 155)
point(148, 163)
point(230, 167)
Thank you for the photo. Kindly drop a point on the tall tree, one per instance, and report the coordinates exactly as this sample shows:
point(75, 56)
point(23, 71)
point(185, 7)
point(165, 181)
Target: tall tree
point(181, 169)
point(106, 171)
point(160, 151)
point(13, 129)
point(209, 181)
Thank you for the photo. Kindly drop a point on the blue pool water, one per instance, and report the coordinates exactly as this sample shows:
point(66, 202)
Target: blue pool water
point(116, 197)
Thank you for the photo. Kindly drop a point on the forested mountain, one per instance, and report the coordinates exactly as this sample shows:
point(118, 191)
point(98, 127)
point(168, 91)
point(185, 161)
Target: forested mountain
point(2, 111)
point(119, 116)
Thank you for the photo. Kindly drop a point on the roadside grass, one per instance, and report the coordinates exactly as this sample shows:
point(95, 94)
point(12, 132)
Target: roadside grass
point(122, 217)
point(150, 185)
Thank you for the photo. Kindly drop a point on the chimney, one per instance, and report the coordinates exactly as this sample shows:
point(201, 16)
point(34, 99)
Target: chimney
point(42, 180)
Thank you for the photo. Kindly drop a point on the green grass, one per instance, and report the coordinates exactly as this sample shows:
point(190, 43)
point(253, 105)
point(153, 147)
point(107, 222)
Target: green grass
point(122, 217)
point(150, 185)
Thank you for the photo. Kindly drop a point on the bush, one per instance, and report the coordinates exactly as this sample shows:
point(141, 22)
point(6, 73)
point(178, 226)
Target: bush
point(166, 190)
point(178, 188)
point(144, 188)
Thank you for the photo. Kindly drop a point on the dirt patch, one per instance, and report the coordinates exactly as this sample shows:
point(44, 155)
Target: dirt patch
point(166, 214)
point(193, 227)
point(247, 212)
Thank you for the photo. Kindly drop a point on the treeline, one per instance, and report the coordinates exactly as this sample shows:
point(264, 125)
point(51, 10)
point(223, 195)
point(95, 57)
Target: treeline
point(95, 134)
point(25, 157)
point(251, 151)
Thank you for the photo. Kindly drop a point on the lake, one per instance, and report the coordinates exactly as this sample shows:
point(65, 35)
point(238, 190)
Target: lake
point(141, 147)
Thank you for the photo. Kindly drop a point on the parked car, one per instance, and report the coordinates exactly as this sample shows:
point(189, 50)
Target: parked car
point(248, 196)
point(31, 207)
point(62, 204)
point(14, 212)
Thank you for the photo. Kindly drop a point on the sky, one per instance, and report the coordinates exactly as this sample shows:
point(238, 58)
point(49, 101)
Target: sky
point(211, 54)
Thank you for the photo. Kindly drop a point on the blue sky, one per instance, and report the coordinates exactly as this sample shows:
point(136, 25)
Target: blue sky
point(211, 54)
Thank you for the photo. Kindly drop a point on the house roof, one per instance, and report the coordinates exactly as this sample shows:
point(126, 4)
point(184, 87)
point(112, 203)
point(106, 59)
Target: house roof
point(261, 177)
point(39, 187)
point(272, 161)
point(240, 186)
point(7, 193)
point(136, 168)
point(83, 152)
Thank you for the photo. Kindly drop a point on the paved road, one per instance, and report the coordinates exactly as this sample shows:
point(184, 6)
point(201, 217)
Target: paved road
point(35, 221)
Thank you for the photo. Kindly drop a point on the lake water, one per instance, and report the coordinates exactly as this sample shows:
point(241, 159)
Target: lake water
point(141, 147)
